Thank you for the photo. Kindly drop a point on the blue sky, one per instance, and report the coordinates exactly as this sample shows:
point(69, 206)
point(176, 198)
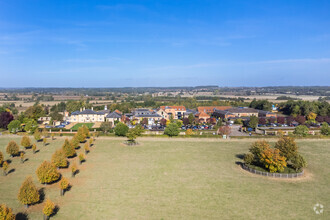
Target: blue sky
point(79, 43)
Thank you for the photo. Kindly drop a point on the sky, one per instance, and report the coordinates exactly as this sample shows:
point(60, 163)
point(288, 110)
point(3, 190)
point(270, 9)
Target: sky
point(92, 43)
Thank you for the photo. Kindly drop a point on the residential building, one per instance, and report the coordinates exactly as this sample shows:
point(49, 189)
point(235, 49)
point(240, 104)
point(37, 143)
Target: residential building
point(152, 117)
point(267, 114)
point(239, 112)
point(177, 112)
point(211, 109)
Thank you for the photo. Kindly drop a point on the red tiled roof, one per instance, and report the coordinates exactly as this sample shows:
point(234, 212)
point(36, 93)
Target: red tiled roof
point(176, 108)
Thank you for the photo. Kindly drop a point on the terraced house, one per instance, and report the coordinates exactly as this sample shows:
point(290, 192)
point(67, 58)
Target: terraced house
point(88, 115)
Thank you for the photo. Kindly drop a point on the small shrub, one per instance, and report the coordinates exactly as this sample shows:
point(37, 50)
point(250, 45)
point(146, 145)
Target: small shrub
point(47, 173)
point(74, 169)
point(1, 158)
point(12, 148)
point(86, 147)
point(248, 158)
point(26, 142)
point(6, 213)
point(44, 141)
point(189, 132)
point(28, 193)
point(49, 208)
point(53, 136)
point(22, 157)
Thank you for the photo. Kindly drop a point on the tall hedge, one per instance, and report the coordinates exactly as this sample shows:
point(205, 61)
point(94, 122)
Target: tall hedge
point(47, 173)
point(28, 193)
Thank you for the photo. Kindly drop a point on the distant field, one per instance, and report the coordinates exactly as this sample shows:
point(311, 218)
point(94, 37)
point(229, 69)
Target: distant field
point(76, 126)
point(174, 179)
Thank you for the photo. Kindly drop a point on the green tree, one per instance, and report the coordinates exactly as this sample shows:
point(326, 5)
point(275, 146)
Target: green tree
point(28, 193)
point(47, 173)
point(253, 123)
point(68, 149)
point(81, 137)
point(85, 131)
point(301, 130)
point(257, 148)
point(75, 141)
point(106, 126)
point(191, 118)
point(37, 135)
point(121, 129)
point(59, 159)
point(6, 213)
point(248, 158)
point(287, 146)
point(14, 126)
point(298, 162)
point(172, 130)
point(12, 148)
point(26, 142)
point(325, 129)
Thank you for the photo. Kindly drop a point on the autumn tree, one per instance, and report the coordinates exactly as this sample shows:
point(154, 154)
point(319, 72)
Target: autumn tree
point(47, 173)
point(85, 131)
point(80, 135)
point(34, 148)
point(59, 159)
point(262, 121)
point(48, 209)
point(5, 119)
point(1, 158)
point(68, 149)
point(287, 146)
point(12, 148)
point(224, 130)
point(26, 142)
point(257, 148)
point(64, 185)
point(300, 119)
point(37, 135)
point(189, 132)
point(74, 169)
point(5, 167)
point(272, 160)
point(75, 142)
point(86, 147)
point(281, 120)
point(53, 136)
point(22, 156)
point(81, 158)
point(28, 193)
point(6, 213)
point(44, 133)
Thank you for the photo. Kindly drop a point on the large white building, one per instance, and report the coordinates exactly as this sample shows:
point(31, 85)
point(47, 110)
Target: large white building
point(88, 115)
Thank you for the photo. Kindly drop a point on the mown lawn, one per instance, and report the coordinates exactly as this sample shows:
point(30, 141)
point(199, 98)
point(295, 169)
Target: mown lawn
point(175, 179)
point(76, 126)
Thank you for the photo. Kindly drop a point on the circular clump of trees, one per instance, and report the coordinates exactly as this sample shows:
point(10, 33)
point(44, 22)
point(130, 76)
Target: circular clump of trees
point(47, 173)
point(284, 157)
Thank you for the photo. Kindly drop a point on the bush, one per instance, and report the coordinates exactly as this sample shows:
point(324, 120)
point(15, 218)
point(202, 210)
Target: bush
point(37, 135)
point(28, 193)
point(86, 147)
point(287, 146)
point(68, 149)
point(12, 148)
point(48, 208)
point(248, 158)
point(272, 160)
point(59, 159)
point(121, 129)
point(301, 130)
point(34, 148)
point(189, 132)
point(74, 169)
point(172, 130)
point(47, 173)
point(325, 129)
point(298, 162)
point(5, 168)
point(6, 213)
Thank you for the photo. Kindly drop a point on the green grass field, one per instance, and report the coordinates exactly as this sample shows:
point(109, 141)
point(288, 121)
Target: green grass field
point(174, 179)
point(76, 126)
